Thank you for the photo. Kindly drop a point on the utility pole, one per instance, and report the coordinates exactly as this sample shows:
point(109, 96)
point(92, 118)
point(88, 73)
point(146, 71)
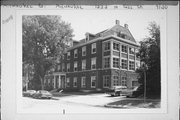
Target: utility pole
point(144, 65)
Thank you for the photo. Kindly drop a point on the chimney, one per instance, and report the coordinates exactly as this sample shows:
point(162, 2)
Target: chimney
point(117, 22)
point(126, 26)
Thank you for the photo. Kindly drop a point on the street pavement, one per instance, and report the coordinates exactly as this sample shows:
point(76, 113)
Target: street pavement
point(89, 103)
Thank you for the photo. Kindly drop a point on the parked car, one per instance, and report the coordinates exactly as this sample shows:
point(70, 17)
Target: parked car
point(138, 92)
point(116, 90)
point(42, 94)
point(129, 92)
point(29, 93)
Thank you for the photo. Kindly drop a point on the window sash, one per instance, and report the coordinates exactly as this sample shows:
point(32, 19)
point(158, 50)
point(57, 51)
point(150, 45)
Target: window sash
point(68, 55)
point(107, 62)
point(68, 67)
point(84, 51)
point(106, 81)
point(115, 46)
point(83, 64)
point(75, 53)
point(93, 63)
point(115, 80)
point(83, 82)
point(116, 62)
point(75, 66)
point(75, 82)
point(93, 81)
point(107, 46)
point(124, 81)
point(131, 65)
point(124, 64)
point(93, 48)
point(124, 48)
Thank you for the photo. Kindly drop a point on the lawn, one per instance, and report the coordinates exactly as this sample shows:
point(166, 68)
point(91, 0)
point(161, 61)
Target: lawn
point(135, 103)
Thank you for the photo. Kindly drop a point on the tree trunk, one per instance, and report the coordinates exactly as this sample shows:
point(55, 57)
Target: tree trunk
point(42, 82)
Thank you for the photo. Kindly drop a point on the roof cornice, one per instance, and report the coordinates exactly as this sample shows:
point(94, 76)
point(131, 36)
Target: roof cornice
point(103, 38)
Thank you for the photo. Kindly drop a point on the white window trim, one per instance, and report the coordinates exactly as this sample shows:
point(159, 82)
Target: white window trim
point(109, 62)
point(63, 67)
point(92, 80)
point(129, 65)
point(121, 64)
point(124, 80)
point(76, 53)
point(93, 47)
point(104, 46)
point(104, 81)
point(122, 47)
point(76, 66)
point(74, 82)
point(84, 50)
point(116, 43)
point(85, 64)
point(95, 63)
point(68, 55)
point(82, 82)
point(114, 79)
point(68, 66)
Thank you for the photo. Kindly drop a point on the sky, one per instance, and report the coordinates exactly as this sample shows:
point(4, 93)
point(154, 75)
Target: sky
point(94, 21)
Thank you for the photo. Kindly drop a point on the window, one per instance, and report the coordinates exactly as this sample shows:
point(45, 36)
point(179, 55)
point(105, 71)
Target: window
point(106, 46)
point(107, 62)
point(124, 49)
point(75, 66)
point(123, 81)
point(83, 82)
point(106, 81)
point(115, 80)
point(68, 67)
point(131, 65)
point(68, 55)
point(63, 67)
point(67, 82)
point(116, 62)
point(115, 46)
point(93, 63)
point(93, 48)
point(124, 64)
point(93, 81)
point(63, 57)
point(83, 64)
point(59, 67)
point(131, 51)
point(75, 82)
point(84, 51)
point(75, 53)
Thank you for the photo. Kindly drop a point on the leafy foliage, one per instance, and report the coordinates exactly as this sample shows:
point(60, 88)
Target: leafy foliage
point(45, 38)
point(150, 56)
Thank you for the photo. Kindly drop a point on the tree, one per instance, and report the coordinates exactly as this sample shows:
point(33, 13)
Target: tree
point(45, 38)
point(149, 53)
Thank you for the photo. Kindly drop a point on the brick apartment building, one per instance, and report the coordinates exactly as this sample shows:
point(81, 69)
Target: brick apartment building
point(99, 61)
